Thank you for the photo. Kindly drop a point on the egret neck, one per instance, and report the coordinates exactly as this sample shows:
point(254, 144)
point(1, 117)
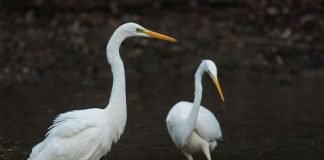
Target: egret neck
point(117, 101)
point(191, 120)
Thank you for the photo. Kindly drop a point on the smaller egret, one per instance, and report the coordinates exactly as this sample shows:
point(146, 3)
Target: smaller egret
point(192, 127)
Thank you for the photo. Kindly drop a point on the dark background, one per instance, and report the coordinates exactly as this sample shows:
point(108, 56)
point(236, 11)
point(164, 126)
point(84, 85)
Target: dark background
point(269, 56)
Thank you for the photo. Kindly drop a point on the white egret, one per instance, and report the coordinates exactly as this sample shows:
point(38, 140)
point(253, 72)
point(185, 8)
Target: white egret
point(88, 134)
point(192, 127)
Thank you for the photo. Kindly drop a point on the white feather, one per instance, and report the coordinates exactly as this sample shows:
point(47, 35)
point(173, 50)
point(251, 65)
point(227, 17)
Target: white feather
point(192, 127)
point(88, 134)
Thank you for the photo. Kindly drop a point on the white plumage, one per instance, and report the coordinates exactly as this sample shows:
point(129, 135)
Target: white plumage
point(192, 127)
point(81, 134)
point(88, 134)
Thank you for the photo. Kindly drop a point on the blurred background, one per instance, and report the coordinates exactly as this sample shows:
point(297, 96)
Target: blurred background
point(269, 56)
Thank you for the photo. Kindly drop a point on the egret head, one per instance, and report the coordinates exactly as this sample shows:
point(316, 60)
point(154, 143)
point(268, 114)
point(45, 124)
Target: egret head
point(133, 29)
point(211, 69)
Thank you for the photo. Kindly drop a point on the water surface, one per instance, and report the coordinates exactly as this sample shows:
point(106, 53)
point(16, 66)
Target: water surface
point(262, 117)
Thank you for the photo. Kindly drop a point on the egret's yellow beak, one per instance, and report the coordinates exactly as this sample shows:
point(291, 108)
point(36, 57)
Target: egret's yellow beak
point(218, 88)
point(159, 36)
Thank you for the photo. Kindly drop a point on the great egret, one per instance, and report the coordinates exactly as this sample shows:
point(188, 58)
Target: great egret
point(192, 127)
point(88, 134)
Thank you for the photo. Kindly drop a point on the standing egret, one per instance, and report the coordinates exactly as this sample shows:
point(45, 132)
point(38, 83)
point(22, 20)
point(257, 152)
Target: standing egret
point(88, 134)
point(192, 127)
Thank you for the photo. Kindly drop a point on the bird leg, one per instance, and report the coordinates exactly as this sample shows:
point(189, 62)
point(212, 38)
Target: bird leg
point(206, 151)
point(188, 155)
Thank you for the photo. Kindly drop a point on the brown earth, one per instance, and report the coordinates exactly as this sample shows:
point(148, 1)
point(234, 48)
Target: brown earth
point(56, 39)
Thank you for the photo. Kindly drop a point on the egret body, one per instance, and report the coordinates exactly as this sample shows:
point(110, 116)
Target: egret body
point(192, 127)
point(88, 134)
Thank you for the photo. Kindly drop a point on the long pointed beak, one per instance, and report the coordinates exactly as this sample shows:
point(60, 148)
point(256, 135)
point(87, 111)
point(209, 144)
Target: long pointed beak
point(159, 36)
point(218, 88)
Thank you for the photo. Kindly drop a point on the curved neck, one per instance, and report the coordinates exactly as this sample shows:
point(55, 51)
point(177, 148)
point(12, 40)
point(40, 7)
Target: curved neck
point(198, 94)
point(190, 122)
point(117, 101)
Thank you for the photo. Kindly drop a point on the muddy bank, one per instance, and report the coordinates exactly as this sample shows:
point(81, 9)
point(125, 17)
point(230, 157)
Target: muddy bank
point(268, 37)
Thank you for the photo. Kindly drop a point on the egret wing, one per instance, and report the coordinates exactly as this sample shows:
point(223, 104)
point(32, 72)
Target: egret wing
point(176, 116)
point(207, 125)
point(72, 136)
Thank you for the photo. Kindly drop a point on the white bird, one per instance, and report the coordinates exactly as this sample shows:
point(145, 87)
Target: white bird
point(88, 134)
point(192, 127)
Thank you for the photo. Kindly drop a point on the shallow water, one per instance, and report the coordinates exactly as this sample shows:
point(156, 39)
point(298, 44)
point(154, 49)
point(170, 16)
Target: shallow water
point(262, 117)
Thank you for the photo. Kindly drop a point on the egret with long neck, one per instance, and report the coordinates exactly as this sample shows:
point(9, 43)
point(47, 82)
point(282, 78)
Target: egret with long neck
point(192, 127)
point(88, 134)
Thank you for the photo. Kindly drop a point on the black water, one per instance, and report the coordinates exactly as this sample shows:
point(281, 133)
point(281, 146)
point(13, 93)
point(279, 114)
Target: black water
point(262, 117)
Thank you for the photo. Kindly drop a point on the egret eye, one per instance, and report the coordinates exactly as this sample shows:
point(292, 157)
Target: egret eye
point(139, 30)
